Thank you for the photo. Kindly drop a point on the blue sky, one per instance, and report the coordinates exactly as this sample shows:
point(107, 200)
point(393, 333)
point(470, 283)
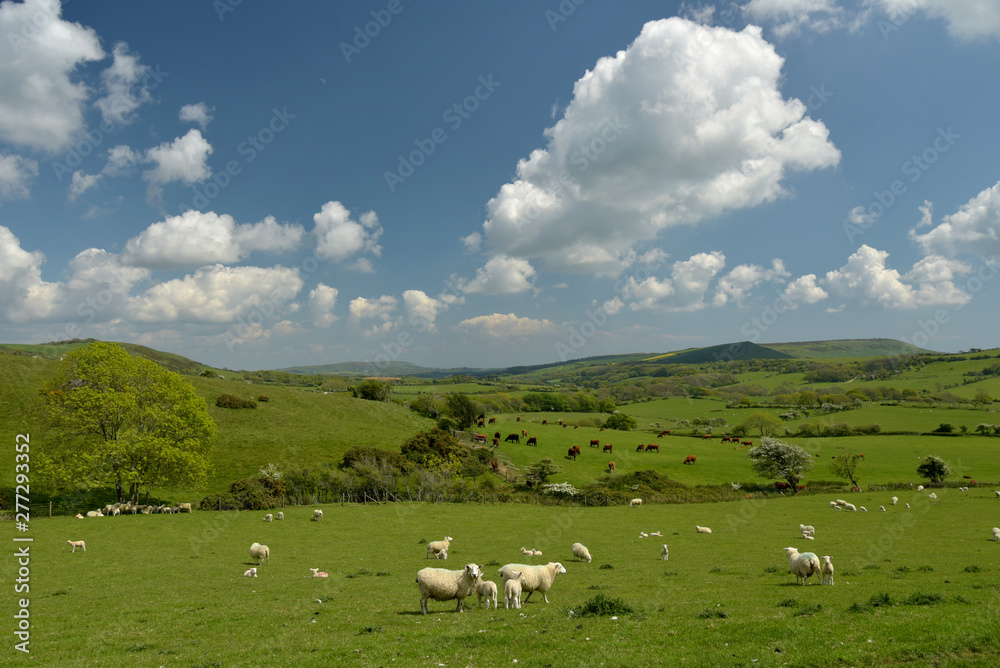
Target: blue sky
point(259, 185)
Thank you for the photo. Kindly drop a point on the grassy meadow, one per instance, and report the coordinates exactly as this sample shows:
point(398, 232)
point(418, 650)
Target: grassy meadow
point(913, 587)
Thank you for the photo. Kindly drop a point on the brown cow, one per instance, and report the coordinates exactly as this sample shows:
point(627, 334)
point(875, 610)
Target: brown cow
point(481, 423)
point(524, 432)
point(726, 439)
point(532, 441)
point(479, 438)
point(690, 459)
point(747, 443)
point(545, 421)
point(780, 485)
point(652, 447)
point(663, 433)
point(607, 447)
point(493, 420)
point(571, 453)
point(640, 448)
point(611, 467)
point(512, 438)
point(706, 437)
point(496, 442)
point(594, 442)
point(496, 434)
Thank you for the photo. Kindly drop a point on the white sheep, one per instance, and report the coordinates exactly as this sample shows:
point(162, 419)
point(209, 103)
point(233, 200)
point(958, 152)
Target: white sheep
point(907, 505)
point(656, 533)
point(441, 554)
point(802, 565)
point(665, 552)
point(78, 544)
point(862, 509)
point(316, 573)
point(436, 546)
point(851, 506)
point(280, 515)
point(260, 552)
point(807, 529)
point(94, 513)
point(443, 585)
point(702, 529)
point(997, 493)
point(317, 514)
point(841, 502)
point(580, 552)
point(996, 534)
point(180, 507)
point(932, 495)
point(833, 504)
point(634, 503)
point(512, 590)
point(79, 516)
point(837, 508)
point(895, 500)
point(826, 572)
point(643, 534)
point(269, 517)
point(250, 572)
point(920, 488)
point(534, 578)
point(487, 589)
point(882, 508)
point(808, 536)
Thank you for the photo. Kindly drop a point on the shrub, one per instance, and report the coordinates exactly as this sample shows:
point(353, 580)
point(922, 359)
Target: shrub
point(920, 598)
point(232, 401)
point(263, 398)
point(944, 428)
point(709, 613)
point(603, 606)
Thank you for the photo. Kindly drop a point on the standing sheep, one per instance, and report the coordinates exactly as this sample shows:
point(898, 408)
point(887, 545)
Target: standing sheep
point(78, 544)
point(802, 565)
point(443, 585)
point(268, 517)
point(317, 514)
point(512, 590)
point(260, 552)
point(581, 552)
point(826, 574)
point(436, 546)
point(534, 578)
point(665, 552)
point(487, 589)
point(280, 515)
point(635, 503)
point(441, 554)
point(996, 534)
point(895, 500)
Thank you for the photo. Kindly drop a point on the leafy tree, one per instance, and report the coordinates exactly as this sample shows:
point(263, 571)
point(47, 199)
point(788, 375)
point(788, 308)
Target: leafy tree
point(934, 469)
point(606, 405)
point(127, 422)
point(463, 409)
point(621, 422)
point(845, 465)
point(542, 469)
point(776, 459)
point(434, 449)
point(764, 423)
point(372, 390)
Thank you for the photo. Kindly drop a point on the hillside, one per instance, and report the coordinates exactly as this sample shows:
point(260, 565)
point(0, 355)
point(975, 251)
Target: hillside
point(743, 350)
point(846, 348)
point(57, 349)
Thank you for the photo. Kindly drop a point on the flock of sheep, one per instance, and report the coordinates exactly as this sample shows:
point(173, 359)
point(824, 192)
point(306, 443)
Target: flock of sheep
point(115, 509)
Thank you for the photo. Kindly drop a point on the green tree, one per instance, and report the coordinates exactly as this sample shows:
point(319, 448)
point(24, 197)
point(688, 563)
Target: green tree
point(778, 460)
point(621, 422)
point(435, 449)
point(763, 423)
point(372, 390)
point(934, 469)
point(542, 469)
point(463, 409)
point(845, 465)
point(124, 421)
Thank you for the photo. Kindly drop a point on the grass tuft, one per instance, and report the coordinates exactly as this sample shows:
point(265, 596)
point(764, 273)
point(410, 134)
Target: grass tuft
point(606, 567)
point(920, 598)
point(709, 613)
point(972, 569)
point(603, 606)
point(788, 603)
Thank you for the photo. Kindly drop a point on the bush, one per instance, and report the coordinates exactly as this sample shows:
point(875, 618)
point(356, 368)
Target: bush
point(263, 398)
point(232, 401)
point(604, 606)
point(621, 422)
point(944, 428)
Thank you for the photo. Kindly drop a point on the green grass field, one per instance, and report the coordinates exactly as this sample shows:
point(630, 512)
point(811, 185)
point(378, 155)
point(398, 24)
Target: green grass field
point(168, 590)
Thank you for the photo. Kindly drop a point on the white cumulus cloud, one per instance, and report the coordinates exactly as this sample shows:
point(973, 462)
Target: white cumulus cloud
point(198, 113)
point(124, 83)
point(803, 290)
point(338, 236)
point(966, 19)
point(185, 159)
point(322, 300)
point(684, 290)
point(790, 16)
point(973, 229)
point(16, 173)
point(81, 183)
point(866, 281)
point(507, 326)
point(500, 275)
point(736, 285)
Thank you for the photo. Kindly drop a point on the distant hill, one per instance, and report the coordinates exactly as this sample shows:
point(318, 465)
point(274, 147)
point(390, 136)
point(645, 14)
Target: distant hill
point(743, 350)
point(56, 349)
point(847, 348)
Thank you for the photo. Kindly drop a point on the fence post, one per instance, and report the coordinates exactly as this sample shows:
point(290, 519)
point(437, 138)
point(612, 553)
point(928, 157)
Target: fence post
point(50, 510)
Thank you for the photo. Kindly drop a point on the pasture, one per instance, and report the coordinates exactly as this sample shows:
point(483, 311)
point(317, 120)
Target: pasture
point(914, 587)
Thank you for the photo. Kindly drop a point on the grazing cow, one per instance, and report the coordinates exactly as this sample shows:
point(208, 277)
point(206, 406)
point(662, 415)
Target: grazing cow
point(800, 487)
point(479, 438)
point(726, 439)
point(518, 418)
point(607, 447)
point(566, 425)
point(652, 447)
point(496, 442)
point(571, 453)
point(493, 420)
point(512, 438)
point(640, 448)
point(780, 485)
point(663, 433)
point(611, 467)
point(545, 421)
point(532, 441)
point(480, 423)
point(690, 459)
point(576, 426)
point(576, 449)
point(594, 442)
point(561, 423)
point(747, 443)
point(524, 432)
point(496, 434)
point(861, 455)
point(706, 437)
point(602, 429)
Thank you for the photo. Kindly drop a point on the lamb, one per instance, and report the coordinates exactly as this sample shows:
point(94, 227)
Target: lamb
point(665, 552)
point(656, 533)
point(826, 572)
point(260, 552)
point(907, 505)
point(79, 516)
point(487, 589)
point(833, 504)
point(996, 534)
point(802, 565)
point(635, 503)
point(895, 500)
point(512, 590)
point(808, 536)
point(920, 488)
point(268, 517)
point(317, 514)
point(317, 574)
point(534, 578)
point(78, 544)
point(443, 585)
point(932, 495)
point(702, 529)
point(643, 534)
point(851, 506)
point(250, 572)
point(437, 545)
point(862, 509)
point(807, 529)
point(441, 554)
point(580, 552)
point(841, 502)
point(882, 508)
point(997, 493)
point(280, 516)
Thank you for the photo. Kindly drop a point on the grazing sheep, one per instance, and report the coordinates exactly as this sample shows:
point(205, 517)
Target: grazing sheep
point(580, 552)
point(932, 495)
point(280, 516)
point(826, 572)
point(487, 589)
point(882, 508)
point(441, 554)
point(656, 533)
point(317, 514)
point(260, 552)
point(78, 544)
point(436, 546)
point(895, 500)
point(250, 572)
point(802, 565)
point(702, 529)
point(634, 503)
point(996, 534)
point(534, 578)
point(443, 585)
point(997, 493)
point(317, 574)
point(833, 504)
point(862, 509)
point(180, 507)
point(268, 517)
point(841, 502)
point(665, 552)
point(851, 506)
point(512, 590)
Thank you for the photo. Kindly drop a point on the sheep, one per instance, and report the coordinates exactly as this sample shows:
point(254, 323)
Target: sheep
point(486, 589)
point(183, 506)
point(280, 516)
point(94, 513)
point(851, 506)
point(907, 505)
point(581, 552)
point(656, 533)
point(802, 565)
point(862, 509)
point(534, 578)
point(643, 534)
point(441, 554)
point(833, 504)
point(841, 502)
point(443, 585)
point(882, 508)
point(317, 514)
point(436, 546)
point(250, 572)
point(665, 552)
point(837, 508)
point(826, 572)
point(512, 590)
point(316, 573)
point(79, 516)
point(996, 534)
point(807, 528)
point(932, 495)
point(808, 536)
point(635, 503)
point(702, 529)
point(78, 544)
point(260, 552)
point(268, 517)
point(997, 493)
point(895, 500)
point(920, 488)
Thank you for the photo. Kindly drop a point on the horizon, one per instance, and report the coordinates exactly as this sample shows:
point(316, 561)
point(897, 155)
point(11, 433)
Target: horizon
point(456, 184)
